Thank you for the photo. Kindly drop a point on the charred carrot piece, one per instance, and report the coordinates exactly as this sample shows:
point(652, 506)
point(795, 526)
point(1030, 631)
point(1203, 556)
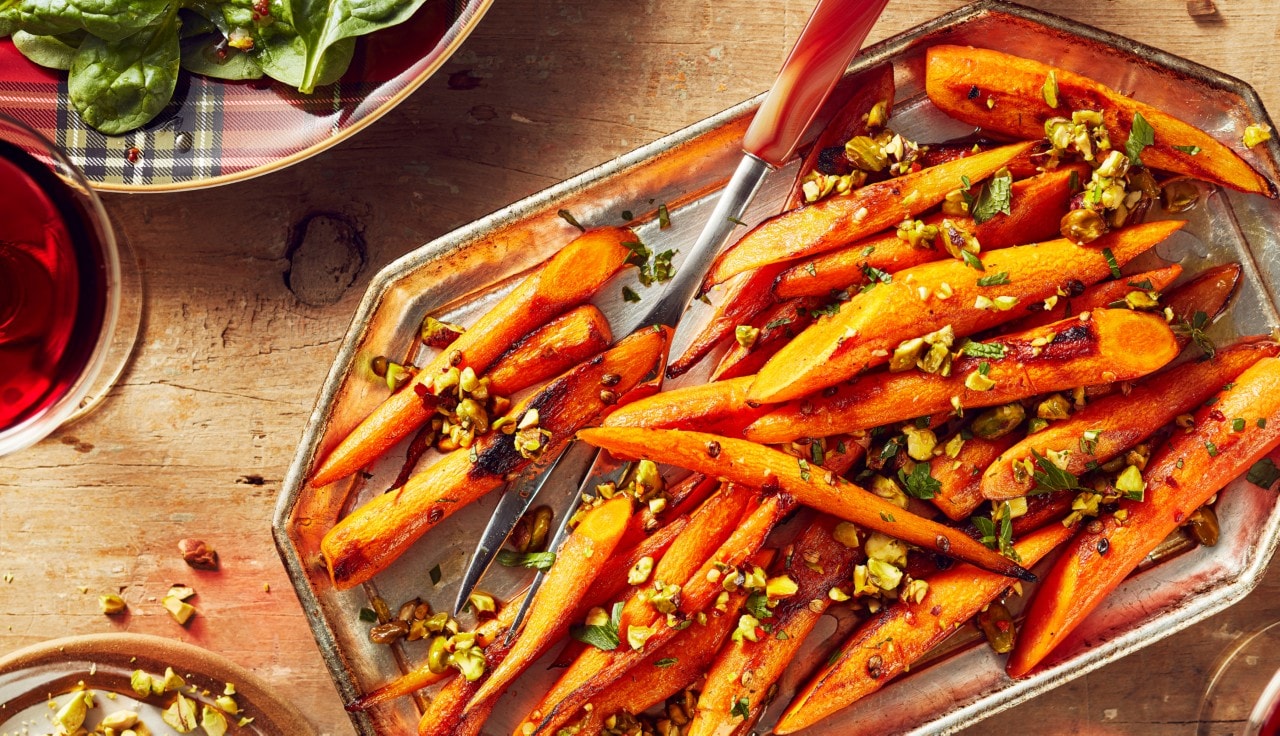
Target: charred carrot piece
point(864, 664)
point(1035, 207)
point(710, 406)
point(550, 350)
point(1012, 101)
point(960, 478)
point(745, 462)
point(671, 667)
point(1098, 296)
point(1111, 425)
point(830, 223)
point(777, 324)
point(909, 304)
point(1111, 345)
point(749, 669)
point(1207, 294)
point(374, 535)
point(568, 279)
point(1180, 478)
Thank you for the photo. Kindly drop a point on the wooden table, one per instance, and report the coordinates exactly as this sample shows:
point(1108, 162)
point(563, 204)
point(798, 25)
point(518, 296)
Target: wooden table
point(197, 436)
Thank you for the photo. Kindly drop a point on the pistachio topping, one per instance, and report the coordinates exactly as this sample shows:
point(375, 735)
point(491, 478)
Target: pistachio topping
point(1255, 134)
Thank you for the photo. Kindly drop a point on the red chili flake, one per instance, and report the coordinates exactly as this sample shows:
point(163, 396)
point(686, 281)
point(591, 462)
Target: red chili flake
point(132, 155)
point(1217, 415)
point(261, 9)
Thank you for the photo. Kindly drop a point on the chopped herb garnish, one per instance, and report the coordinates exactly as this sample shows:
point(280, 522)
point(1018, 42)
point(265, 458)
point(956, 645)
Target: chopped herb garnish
point(887, 517)
point(1074, 181)
point(921, 422)
point(1089, 441)
point(568, 217)
point(780, 322)
point(817, 454)
point(1141, 135)
point(1189, 150)
point(782, 636)
point(1001, 540)
point(874, 274)
point(1264, 473)
point(736, 221)
point(531, 560)
point(1211, 448)
point(665, 662)
point(984, 368)
point(434, 573)
point(994, 197)
point(868, 250)
point(995, 279)
point(1195, 329)
point(1237, 425)
point(758, 605)
point(664, 217)
point(368, 615)
point(920, 483)
point(629, 294)
point(804, 468)
point(604, 636)
point(1111, 262)
point(835, 657)
point(890, 449)
point(989, 350)
point(741, 708)
point(1050, 477)
point(1144, 285)
point(811, 269)
point(972, 261)
point(826, 310)
point(1211, 400)
point(1180, 463)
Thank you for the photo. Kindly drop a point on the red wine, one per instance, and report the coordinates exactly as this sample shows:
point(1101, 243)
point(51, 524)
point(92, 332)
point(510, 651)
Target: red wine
point(53, 290)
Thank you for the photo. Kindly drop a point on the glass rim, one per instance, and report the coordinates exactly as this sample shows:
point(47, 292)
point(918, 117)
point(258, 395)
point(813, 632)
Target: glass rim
point(45, 421)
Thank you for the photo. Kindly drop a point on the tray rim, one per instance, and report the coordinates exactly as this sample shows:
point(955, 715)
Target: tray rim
point(1018, 691)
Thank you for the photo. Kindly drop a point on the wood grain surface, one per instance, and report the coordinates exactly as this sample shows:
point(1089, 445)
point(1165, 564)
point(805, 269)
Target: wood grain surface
point(250, 287)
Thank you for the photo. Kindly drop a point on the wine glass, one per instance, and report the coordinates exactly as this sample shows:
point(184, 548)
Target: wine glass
point(1243, 694)
point(70, 291)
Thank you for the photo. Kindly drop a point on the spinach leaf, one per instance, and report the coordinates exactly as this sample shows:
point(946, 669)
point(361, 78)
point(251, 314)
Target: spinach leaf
point(325, 24)
point(208, 56)
point(53, 52)
point(281, 50)
point(110, 20)
point(117, 86)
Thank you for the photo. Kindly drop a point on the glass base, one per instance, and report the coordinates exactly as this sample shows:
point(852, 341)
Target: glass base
point(1244, 689)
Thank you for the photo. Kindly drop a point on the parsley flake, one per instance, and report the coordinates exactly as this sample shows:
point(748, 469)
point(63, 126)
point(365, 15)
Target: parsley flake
point(629, 294)
point(531, 560)
point(874, 274)
point(1050, 477)
point(1141, 135)
point(741, 708)
point(995, 279)
point(603, 636)
point(1264, 473)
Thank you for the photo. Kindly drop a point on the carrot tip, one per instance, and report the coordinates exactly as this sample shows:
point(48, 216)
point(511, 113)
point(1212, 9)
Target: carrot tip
point(1024, 574)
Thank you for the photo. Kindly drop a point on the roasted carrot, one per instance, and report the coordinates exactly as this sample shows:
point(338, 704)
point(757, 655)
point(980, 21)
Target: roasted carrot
point(1208, 293)
point(1111, 425)
point(568, 279)
point(550, 350)
point(748, 670)
point(748, 463)
point(830, 223)
point(671, 667)
point(960, 478)
point(1098, 296)
point(1035, 207)
point(375, 534)
point(1011, 100)
point(777, 324)
point(715, 406)
point(686, 496)
point(920, 300)
point(888, 643)
point(1180, 478)
point(1111, 345)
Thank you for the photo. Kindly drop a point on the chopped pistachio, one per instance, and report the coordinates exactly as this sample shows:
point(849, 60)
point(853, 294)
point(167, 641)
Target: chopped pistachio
point(1130, 481)
point(866, 154)
point(1141, 300)
point(119, 720)
point(756, 579)
point(887, 489)
point(181, 715)
point(1054, 407)
point(885, 548)
point(883, 575)
point(469, 661)
point(1050, 89)
point(638, 635)
point(1255, 134)
point(747, 627)
point(181, 592)
point(847, 534)
point(915, 591)
point(878, 115)
point(212, 721)
point(227, 704)
point(140, 682)
point(179, 609)
point(111, 604)
point(906, 354)
point(781, 586)
point(998, 421)
point(71, 715)
point(746, 335)
point(1017, 507)
point(975, 381)
point(1082, 226)
point(482, 603)
point(917, 234)
point(921, 442)
point(640, 572)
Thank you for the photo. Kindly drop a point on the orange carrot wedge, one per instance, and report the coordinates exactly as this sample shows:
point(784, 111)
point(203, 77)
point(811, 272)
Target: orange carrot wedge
point(830, 223)
point(686, 496)
point(550, 350)
point(864, 664)
point(569, 278)
point(1098, 296)
point(1111, 345)
point(710, 406)
point(374, 535)
point(1035, 207)
point(671, 667)
point(1011, 100)
point(1180, 478)
point(749, 669)
point(1111, 425)
point(920, 300)
point(748, 463)
point(960, 478)
point(777, 324)
point(1209, 293)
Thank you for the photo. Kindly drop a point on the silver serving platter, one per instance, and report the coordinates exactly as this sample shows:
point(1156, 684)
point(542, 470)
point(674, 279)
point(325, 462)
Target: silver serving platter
point(459, 275)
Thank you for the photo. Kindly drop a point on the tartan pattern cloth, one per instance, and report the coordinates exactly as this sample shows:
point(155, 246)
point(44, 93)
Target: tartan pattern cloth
point(215, 131)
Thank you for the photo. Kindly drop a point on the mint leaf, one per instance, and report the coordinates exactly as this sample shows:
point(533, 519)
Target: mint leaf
point(994, 197)
point(995, 279)
point(531, 560)
point(604, 636)
point(1264, 473)
point(920, 483)
point(990, 350)
point(1141, 135)
point(1050, 477)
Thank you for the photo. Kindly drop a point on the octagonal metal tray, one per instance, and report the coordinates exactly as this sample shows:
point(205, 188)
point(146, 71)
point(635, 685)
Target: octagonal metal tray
point(460, 274)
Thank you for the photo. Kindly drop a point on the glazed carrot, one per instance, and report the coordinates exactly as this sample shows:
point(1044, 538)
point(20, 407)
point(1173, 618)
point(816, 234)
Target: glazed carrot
point(749, 669)
point(374, 535)
point(1011, 100)
point(569, 278)
point(915, 302)
point(1180, 478)
point(671, 667)
point(1209, 293)
point(830, 223)
point(889, 642)
point(1119, 421)
point(1111, 345)
point(1098, 296)
point(686, 496)
point(747, 294)
point(960, 478)
point(550, 350)
point(745, 462)
point(777, 324)
point(1035, 207)
point(709, 406)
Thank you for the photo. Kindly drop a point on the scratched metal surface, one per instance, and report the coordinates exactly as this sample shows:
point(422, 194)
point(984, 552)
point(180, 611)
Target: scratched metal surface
point(461, 274)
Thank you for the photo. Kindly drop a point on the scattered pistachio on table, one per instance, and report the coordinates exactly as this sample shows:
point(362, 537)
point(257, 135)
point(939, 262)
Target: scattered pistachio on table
point(198, 554)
